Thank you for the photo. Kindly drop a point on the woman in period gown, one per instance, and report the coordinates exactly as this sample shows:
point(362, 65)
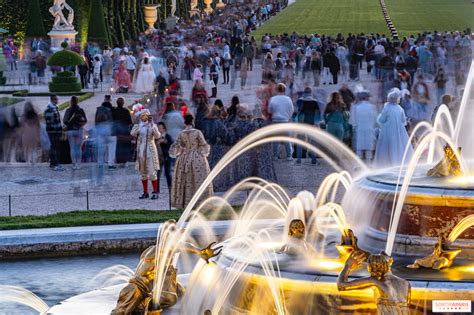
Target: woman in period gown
point(393, 137)
point(146, 78)
point(217, 136)
point(191, 167)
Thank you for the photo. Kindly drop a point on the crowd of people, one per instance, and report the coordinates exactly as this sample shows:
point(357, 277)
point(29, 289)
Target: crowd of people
point(183, 138)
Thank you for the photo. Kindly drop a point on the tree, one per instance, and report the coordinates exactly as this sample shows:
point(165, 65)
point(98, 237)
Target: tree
point(34, 20)
point(97, 28)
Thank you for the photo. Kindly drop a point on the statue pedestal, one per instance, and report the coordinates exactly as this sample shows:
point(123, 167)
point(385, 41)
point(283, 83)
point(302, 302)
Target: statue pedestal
point(171, 23)
point(58, 37)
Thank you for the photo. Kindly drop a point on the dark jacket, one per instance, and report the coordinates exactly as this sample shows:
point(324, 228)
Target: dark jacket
point(75, 118)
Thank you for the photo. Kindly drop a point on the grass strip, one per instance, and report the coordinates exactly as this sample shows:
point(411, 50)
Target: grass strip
point(87, 218)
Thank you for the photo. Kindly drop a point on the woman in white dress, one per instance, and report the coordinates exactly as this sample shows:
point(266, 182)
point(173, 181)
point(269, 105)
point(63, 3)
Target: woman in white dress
point(393, 138)
point(146, 78)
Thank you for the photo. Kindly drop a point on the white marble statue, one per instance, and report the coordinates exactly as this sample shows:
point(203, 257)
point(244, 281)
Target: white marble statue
point(60, 21)
point(173, 7)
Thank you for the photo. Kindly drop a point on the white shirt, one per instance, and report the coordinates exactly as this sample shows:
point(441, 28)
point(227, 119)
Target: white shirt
point(281, 108)
point(131, 62)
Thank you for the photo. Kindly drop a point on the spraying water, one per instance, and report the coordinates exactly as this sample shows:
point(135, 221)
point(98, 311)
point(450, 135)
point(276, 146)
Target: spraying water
point(462, 226)
point(19, 295)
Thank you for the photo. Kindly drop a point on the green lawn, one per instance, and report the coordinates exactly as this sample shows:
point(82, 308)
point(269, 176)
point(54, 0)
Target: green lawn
point(413, 16)
point(355, 16)
point(85, 218)
point(328, 17)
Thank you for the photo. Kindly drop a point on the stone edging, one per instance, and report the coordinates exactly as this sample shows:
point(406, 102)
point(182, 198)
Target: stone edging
point(388, 20)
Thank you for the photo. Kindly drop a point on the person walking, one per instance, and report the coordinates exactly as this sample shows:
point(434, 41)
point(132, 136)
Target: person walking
point(334, 116)
point(75, 120)
point(191, 167)
point(131, 63)
point(145, 83)
point(213, 75)
point(334, 66)
point(440, 80)
point(166, 161)
point(173, 120)
point(123, 125)
point(54, 129)
point(393, 138)
point(103, 132)
point(308, 112)
point(363, 119)
point(281, 110)
point(147, 164)
point(30, 134)
point(244, 67)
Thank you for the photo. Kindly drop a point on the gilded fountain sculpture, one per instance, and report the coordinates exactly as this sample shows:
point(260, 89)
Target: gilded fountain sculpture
point(448, 166)
point(136, 296)
point(392, 294)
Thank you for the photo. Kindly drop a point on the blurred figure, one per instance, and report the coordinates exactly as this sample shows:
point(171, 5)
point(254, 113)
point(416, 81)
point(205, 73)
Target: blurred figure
point(308, 112)
point(30, 134)
point(75, 119)
point(440, 80)
point(166, 161)
point(363, 119)
point(146, 78)
point(10, 123)
point(281, 110)
point(54, 129)
point(122, 81)
point(334, 116)
point(40, 65)
point(173, 120)
point(103, 132)
point(393, 138)
point(123, 125)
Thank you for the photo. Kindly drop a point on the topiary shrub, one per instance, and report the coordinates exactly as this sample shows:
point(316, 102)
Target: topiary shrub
point(65, 58)
point(65, 81)
point(65, 87)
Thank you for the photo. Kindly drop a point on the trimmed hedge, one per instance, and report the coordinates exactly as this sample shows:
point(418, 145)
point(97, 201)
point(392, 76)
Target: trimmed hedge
point(59, 80)
point(97, 27)
point(34, 20)
point(65, 74)
point(65, 82)
point(65, 58)
point(65, 87)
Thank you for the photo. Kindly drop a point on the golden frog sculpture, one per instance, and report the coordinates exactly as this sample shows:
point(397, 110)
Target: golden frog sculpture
point(448, 166)
point(442, 257)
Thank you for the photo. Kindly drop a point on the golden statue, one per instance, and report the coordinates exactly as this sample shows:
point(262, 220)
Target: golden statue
point(296, 239)
point(136, 296)
point(392, 293)
point(348, 245)
point(448, 166)
point(442, 257)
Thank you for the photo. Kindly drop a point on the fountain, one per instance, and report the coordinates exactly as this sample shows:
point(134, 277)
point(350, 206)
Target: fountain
point(306, 254)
